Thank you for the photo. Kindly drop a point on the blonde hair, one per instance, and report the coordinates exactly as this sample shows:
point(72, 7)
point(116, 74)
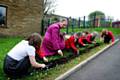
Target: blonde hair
point(95, 33)
point(103, 32)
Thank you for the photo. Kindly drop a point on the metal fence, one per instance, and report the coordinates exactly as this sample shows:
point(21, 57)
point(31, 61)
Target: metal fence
point(81, 22)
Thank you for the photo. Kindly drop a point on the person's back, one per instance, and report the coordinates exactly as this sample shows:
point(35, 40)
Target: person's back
point(50, 30)
point(69, 42)
point(21, 50)
point(81, 40)
point(22, 56)
point(91, 37)
point(107, 36)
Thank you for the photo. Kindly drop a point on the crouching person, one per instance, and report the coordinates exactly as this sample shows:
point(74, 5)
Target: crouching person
point(82, 41)
point(41, 55)
point(53, 42)
point(91, 37)
point(19, 59)
point(107, 36)
point(71, 43)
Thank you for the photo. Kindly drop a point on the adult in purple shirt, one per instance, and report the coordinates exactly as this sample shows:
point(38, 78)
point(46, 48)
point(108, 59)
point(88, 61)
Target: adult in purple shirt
point(53, 41)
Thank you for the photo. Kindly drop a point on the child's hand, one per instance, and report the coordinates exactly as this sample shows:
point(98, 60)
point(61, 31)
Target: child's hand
point(78, 52)
point(94, 42)
point(60, 52)
point(43, 65)
point(84, 44)
point(45, 59)
point(113, 43)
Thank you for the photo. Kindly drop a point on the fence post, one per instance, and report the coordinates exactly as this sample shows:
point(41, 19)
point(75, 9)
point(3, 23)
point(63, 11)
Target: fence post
point(67, 25)
point(48, 22)
point(84, 22)
point(110, 22)
point(42, 27)
point(104, 22)
point(94, 20)
point(73, 25)
point(79, 22)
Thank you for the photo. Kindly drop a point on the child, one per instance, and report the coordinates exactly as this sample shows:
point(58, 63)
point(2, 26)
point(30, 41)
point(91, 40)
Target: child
point(82, 40)
point(91, 37)
point(107, 36)
point(70, 43)
point(41, 55)
point(22, 57)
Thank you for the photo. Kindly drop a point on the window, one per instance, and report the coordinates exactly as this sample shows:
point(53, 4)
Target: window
point(3, 16)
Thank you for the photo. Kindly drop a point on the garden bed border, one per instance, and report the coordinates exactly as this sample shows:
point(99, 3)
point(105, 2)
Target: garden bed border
point(81, 64)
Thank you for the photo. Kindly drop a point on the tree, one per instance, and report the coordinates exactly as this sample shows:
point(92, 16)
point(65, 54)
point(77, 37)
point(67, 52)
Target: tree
point(96, 18)
point(49, 6)
point(96, 14)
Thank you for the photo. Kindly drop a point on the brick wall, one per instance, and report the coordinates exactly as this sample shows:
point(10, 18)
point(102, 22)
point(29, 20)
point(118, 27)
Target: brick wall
point(23, 17)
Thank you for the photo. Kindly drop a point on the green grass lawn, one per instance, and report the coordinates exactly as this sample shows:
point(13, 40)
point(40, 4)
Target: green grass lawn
point(8, 42)
point(116, 31)
point(5, 45)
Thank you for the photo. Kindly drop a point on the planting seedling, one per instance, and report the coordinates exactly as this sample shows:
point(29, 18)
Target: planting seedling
point(57, 60)
point(52, 66)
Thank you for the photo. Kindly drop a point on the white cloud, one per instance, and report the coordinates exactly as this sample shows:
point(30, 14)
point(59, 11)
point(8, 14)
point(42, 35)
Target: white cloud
point(80, 8)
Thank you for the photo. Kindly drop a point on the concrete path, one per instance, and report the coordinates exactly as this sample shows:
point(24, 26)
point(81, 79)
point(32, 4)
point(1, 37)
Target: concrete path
point(105, 67)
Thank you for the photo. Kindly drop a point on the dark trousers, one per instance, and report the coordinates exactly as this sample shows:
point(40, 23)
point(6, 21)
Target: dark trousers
point(107, 39)
point(16, 68)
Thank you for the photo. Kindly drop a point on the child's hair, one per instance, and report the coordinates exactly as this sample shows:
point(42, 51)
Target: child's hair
point(95, 33)
point(35, 40)
point(103, 32)
point(83, 34)
point(86, 32)
point(78, 34)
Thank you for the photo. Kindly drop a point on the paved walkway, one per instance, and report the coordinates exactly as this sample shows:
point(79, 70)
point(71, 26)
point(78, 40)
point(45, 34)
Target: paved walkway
point(105, 67)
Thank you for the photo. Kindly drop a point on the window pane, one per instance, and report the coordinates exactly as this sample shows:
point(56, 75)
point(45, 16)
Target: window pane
point(2, 16)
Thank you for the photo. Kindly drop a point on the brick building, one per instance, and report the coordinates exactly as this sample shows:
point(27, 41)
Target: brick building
point(116, 24)
point(22, 17)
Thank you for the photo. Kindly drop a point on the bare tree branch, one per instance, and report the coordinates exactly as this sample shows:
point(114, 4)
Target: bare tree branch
point(49, 6)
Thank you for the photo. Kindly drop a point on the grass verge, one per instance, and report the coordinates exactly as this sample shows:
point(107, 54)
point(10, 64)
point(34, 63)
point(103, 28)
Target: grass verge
point(52, 73)
point(7, 43)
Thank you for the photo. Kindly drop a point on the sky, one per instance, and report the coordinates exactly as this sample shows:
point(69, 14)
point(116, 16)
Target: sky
point(80, 8)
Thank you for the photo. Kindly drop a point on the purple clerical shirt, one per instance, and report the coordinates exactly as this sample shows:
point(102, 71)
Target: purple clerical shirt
point(53, 40)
